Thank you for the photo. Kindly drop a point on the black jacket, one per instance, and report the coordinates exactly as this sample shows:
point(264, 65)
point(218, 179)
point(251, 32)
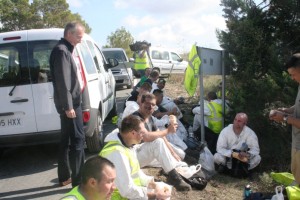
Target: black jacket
point(67, 92)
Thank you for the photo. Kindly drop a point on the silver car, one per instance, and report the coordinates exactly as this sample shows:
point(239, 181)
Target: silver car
point(122, 72)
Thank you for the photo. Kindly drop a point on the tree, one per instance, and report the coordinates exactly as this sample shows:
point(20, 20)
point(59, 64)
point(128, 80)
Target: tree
point(258, 40)
point(121, 38)
point(39, 14)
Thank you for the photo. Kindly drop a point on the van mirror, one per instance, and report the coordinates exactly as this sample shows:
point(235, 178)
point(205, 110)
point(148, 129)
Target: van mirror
point(131, 59)
point(180, 59)
point(112, 62)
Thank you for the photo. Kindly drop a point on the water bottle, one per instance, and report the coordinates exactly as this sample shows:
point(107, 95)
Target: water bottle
point(247, 192)
point(191, 132)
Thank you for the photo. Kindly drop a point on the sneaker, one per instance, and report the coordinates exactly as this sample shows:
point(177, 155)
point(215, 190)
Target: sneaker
point(175, 179)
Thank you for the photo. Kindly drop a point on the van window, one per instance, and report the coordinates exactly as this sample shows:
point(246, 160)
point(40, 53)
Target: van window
point(175, 57)
point(39, 55)
point(92, 49)
point(160, 55)
point(100, 59)
point(87, 58)
point(119, 55)
point(13, 64)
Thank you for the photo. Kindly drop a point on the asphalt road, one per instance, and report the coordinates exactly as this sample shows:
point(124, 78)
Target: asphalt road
point(31, 172)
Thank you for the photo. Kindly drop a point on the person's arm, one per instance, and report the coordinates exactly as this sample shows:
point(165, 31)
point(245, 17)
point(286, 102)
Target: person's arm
point(222, 147)
point(152, 135)
point(252, 142)
point(174, 154)
point(123, 181)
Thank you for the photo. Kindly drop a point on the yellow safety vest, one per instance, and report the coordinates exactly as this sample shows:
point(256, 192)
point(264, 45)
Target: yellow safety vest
point(192, 71)
point(74, 194)
point(215, 119)
point(287, 179)
point(141, 63)
point(113, 146)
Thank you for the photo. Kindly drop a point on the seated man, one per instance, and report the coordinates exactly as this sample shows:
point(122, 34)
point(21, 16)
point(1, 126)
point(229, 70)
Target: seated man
point(154, 75)
point(146, 87)
point(213, 118)
point(161, 83)
point(237, 142)
point(97, 180)
point(124, 149)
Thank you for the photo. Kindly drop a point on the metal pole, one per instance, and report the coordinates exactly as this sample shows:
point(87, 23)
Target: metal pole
point(223, 86)
point(201, 98)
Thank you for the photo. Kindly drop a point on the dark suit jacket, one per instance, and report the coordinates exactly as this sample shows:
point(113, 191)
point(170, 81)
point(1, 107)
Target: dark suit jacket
point(67, 92)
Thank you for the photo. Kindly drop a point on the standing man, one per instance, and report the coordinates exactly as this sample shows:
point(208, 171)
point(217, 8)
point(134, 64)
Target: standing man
point(67, 99)
point(292, 116)
point(98, 175)
point(141, 61)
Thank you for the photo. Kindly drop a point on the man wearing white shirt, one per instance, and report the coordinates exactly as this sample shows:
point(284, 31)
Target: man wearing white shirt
point(234, 137)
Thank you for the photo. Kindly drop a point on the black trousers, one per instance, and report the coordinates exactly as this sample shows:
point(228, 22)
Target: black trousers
point(71, 149)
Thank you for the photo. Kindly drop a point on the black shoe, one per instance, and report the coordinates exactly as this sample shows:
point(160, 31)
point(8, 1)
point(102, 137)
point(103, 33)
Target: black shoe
point(175, 179)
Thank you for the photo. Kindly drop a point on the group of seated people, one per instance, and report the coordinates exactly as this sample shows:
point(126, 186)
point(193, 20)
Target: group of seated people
point(151, 134)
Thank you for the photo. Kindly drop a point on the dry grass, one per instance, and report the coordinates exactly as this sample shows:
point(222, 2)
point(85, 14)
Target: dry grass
point(220, 186)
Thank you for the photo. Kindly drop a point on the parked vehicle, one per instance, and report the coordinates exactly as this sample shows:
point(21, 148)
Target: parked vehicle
point(167, 61)
point(123, 72)
point(27, 112)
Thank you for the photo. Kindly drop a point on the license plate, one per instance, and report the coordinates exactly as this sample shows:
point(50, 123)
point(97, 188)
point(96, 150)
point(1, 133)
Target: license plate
point(10, 122)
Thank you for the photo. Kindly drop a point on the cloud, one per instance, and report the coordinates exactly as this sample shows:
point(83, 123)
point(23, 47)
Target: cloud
point(135, 21)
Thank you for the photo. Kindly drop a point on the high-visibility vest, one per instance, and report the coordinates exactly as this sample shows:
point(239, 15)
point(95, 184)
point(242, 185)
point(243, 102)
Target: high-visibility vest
point(288, 180)
point(141, 63)
point(215, 119)
point(192, 71)
point(74, 194)
point(113, 146)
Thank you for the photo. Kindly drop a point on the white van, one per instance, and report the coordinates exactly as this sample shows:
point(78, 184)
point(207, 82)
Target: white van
point(167, 61)
point(27, 112)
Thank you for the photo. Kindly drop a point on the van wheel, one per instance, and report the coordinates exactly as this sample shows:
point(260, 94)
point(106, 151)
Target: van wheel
point(94, 143)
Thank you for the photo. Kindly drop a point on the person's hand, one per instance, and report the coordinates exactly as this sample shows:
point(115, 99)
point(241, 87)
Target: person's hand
point(243, 155)
point(70, 113)
point(162, 191)
point(276, 115)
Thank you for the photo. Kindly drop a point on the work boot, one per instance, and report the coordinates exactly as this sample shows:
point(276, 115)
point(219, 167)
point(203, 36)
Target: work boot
point(176, 180)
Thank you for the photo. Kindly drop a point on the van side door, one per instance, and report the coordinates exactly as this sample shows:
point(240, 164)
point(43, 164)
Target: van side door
point(161, 59)
point(42, 87)
point(17, 104)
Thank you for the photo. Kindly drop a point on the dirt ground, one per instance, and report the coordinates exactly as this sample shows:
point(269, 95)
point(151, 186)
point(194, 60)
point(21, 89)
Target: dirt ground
point(220, 186)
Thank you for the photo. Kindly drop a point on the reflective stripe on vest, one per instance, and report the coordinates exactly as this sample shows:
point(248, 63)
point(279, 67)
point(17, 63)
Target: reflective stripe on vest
point(113, 146)
point(74, 194)
point(141, 63)
point(215, 119)
point(192, 71)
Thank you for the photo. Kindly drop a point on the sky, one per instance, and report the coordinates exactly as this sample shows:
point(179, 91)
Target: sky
point(174, 24)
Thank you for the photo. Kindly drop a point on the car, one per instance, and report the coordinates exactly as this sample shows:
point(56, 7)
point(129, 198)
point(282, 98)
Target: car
point(123, 72)
point(167, 61)
point(27, 113)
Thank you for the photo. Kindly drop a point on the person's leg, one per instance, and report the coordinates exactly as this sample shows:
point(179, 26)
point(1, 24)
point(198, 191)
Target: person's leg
point(295, 165)
point(254, 161)
point(63, 152)
point(77, 155)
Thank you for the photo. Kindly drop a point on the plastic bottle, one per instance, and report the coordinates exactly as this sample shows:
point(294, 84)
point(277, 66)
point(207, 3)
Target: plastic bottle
point(247, 192)
point(191, 132)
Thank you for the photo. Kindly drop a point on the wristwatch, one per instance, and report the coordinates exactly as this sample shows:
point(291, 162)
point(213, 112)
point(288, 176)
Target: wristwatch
point(285, 118)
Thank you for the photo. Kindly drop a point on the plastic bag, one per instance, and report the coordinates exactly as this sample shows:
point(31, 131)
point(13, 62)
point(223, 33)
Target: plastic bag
point(188, 172)
point(206, 160)
point(278, 195)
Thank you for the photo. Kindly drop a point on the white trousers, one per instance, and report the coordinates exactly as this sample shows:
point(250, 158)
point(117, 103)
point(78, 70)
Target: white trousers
point(148, 152)
point(220, 159)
